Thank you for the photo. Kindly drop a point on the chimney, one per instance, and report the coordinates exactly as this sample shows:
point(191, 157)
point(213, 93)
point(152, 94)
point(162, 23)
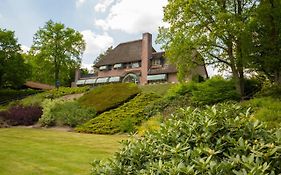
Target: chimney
point(146, 54)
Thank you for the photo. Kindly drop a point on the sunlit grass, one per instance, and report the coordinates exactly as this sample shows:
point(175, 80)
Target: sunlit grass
point(27, 151)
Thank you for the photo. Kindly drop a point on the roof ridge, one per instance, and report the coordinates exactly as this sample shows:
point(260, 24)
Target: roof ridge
point(128, 42)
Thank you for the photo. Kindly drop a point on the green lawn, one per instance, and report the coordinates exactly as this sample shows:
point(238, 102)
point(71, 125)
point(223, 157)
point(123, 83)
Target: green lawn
point(28, 151)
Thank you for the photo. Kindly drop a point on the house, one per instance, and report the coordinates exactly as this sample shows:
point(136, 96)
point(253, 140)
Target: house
point(135, 61)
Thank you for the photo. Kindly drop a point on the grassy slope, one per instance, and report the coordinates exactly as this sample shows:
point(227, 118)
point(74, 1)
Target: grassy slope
point(26, 151)
point(160, 89)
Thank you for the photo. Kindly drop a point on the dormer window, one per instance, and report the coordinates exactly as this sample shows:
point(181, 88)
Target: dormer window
point(103, 68)
point(156, 62)
point(118, 66)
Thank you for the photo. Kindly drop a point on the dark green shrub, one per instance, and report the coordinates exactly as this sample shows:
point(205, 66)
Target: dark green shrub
point(109, 96)
point(273, 91)
point(7, 95)
point(65, 113)
point(221, 139)
point(252, 86)
point(21, 115)
point(121, 119)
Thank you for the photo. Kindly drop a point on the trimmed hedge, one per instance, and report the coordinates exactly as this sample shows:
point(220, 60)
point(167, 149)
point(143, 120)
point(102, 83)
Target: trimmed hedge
point(121, 119)
point(109, 96)
point(222, 139)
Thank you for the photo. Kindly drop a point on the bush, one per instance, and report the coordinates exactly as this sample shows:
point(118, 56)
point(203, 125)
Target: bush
point(122, 119)
point(159, 89)
point(152, 124)
point(266, 109)
point(109, 96)
point(212, 91)
point(21, 115)
point(222, 139)
point(65, 113)
point(273, 91)
point(7, 95)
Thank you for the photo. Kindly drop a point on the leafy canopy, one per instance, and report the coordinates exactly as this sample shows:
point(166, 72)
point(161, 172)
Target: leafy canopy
point(56, 53)
point(13, 70)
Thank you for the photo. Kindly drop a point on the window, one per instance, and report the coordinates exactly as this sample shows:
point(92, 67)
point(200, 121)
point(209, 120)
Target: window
point(135, 65)
point(118, 66)
point(103, 68)
point(155, 62)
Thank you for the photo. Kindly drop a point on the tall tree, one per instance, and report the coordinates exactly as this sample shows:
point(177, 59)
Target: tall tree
point(13, 70)
point(265, 50)
point(215, 29)
point(56, 51)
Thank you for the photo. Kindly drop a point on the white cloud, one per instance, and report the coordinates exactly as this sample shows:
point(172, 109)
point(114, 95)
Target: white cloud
point(103, 5)
point(134, 16)
point(24, 48)
point(95, 43)
point(79, 3)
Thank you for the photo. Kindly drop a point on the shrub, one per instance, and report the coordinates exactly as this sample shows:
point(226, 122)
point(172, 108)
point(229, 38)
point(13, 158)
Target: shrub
point(109, 96)
point(22, 115)
point(213, 91)
point(152, 124)
point(273, 91)
point(266, 109)
point(221, 139)
point(121, 119)
point(65, 113)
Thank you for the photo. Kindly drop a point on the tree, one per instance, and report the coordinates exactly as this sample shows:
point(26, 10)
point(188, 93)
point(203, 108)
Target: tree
point(215, 29)
point(103, 54)
point(13, 70)
point(56, 51)
point(265, 50)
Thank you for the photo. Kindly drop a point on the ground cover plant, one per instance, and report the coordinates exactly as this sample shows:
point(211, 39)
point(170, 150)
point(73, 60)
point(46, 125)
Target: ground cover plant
point(221, 139)
point(26, 151)
point(60, 112)
point(109, 96)
point(122, 119)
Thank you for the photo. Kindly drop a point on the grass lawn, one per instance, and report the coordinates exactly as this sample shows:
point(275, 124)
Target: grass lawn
point(160, 89)
point(28, 151)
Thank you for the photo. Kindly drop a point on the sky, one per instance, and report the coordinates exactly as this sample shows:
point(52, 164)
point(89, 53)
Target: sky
point(103, 23)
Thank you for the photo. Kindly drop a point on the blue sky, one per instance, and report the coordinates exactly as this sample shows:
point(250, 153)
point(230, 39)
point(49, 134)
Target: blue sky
point(102, 22)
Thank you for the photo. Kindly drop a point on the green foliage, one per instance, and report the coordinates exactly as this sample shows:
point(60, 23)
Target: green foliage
point(64, 113)
point(56, 53)
point(13, 70)
point(265, 43)
point(52, 94)
point(273, 91)
point(222, 139)
point(121, 119)
point(109, 96)
point(7, 94)
point(267, 109)
point(152, 124)
point(215, 31)
point(212, 91)
point(160, 89)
